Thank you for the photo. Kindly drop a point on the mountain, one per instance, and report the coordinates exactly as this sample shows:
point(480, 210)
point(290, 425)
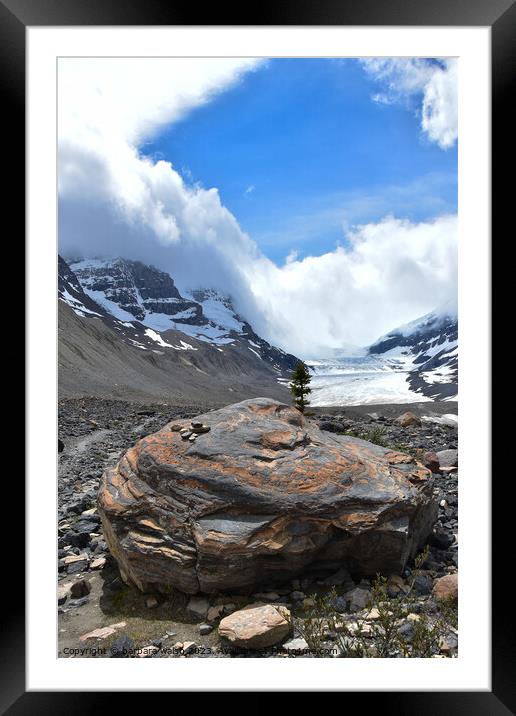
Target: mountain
point(126, 331)
point(429, 348)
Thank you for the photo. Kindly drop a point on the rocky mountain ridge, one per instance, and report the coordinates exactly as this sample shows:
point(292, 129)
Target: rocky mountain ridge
point(429, 347)
point(126, 331)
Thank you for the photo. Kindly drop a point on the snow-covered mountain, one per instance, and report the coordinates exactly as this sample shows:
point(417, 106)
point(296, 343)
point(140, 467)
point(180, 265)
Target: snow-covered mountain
point(200, 339)
point(429, 349)
point(412, 363)
point(143, 308)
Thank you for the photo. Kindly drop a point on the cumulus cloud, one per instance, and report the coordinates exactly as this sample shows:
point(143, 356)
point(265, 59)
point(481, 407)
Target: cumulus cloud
point(387, 274)
point(431, 83)
point(114, 200)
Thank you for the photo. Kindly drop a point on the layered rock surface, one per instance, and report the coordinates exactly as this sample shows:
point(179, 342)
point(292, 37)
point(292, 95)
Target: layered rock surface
point(264, 496)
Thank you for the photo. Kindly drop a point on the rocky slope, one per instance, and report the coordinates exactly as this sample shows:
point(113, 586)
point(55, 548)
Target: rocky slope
point(126, 332)
point(428, 348)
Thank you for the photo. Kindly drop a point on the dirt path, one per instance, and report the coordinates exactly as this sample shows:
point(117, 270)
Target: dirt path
point(85, 442)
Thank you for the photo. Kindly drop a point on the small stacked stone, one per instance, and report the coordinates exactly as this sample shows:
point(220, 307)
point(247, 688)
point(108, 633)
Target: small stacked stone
point(193, 431)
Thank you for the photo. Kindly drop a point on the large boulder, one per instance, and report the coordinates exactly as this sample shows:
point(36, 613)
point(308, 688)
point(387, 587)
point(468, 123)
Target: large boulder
point(264, 496)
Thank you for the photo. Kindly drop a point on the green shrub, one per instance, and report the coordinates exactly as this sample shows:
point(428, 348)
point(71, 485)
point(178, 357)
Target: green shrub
point(382, 637)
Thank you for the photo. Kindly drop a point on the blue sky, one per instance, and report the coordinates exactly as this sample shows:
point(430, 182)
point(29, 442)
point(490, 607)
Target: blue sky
point(299, 151)
point(218, 170)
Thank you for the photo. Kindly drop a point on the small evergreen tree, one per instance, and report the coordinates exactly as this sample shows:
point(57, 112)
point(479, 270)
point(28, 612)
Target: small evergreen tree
point(299, 387)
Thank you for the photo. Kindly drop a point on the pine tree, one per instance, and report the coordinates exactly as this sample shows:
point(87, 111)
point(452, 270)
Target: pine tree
point(299, 387)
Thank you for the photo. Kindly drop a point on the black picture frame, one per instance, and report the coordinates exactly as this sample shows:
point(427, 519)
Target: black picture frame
point(500, 16)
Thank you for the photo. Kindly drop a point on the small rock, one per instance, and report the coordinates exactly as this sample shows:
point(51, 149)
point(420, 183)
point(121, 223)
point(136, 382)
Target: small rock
point(73, 603)
point(214, 612)
point(297, 596)
point(357, 599)
point(256, 627)
point(341, 577)
point(63, 591)
point(431, 461)
point(406, 630)
point(340, 604)
point(448, 458)
point(103, 632)
point(446, 587)
point(449, 642)
point(122, 647)
point(448, 470)
point(199, 430)
point(440, 539)
point(408, 419)
point(308, 603)
point(205, 629)
point(327, 425)
point(422, 585)
point(430, 607)
point(98, 563)
point(77, 568)
point(373, 614)
point(188, 647)
point(81, 588)
point(360, 627)
point(396, 585)
point(297, 644)
point(73, 558)
point(198, 606)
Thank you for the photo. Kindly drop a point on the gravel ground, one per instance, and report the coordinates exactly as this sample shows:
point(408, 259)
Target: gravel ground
point(95, 432)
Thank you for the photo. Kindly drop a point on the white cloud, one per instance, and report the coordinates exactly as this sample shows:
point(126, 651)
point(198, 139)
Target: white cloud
point(389, 273)
point(434, 82)
point(116, 201)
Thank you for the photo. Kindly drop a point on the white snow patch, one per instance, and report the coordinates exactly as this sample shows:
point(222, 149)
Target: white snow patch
point(215, 308)
point(110, 306)
point(444, 374)
point(447, 419)
point(183, 346)
point(78, 306)
point(157, 338)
